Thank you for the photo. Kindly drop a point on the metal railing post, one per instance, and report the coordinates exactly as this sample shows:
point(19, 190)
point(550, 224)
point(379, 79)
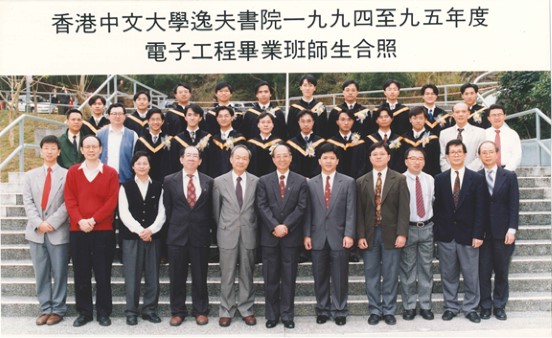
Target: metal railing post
point(116, 89)
point(538, 126)
point(22, 144)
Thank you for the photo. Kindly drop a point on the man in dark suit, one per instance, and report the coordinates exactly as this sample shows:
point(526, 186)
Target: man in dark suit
point(459, 216)
point(499, 243)
point(281, 200)
point(382, 227)
point(188, 205)
point(329, 233)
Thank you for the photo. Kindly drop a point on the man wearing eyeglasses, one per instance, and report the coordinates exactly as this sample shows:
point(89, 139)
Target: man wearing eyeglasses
point(505, 138)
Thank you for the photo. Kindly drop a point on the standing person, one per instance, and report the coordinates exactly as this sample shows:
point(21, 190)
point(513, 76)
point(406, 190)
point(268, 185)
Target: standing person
point(142, 213)
point(499, 243)
point(459, 216)
point(364, 125)
point(222, 143)
point(417, 255)
point(176, 114)
point(234, 212)
point(420, 136)
point(437, 118)
point(506, 139)
point(223, 94)
point(188, 203)
point(262, 146)
point(48, 231)
point(281, 199)
point(97, 121)
point(307, 86)
point(70, 140)
point(329, 232)
point(478, 114)
point(382, 227)
point(91, 191)
point(263, 93)
point(305, 146)
point(391, 90)
point(384, 119)
point(137, 120)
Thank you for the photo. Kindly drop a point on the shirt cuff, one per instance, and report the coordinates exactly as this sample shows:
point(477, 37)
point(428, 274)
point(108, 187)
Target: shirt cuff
point(512, 231)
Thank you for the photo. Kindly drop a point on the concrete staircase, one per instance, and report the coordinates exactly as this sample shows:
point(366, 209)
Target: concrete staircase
point(530, 272)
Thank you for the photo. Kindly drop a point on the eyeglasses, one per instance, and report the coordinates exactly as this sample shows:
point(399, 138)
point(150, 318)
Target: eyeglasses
point(496, 115)
point(116, 114)
point(456, 153)
point(90, 147)
point(412, 158)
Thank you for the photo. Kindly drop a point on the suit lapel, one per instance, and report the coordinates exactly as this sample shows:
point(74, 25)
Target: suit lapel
point(389, 181)
point(231, 190)
point(249, 189)
point(179, 182)
point(335, 190)
point(448, 189)
point(465, 187)
point(275, 183)
point(499, 180)
point(320, 190)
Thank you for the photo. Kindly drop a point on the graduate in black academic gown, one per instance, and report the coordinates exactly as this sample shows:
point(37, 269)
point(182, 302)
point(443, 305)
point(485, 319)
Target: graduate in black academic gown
point(261, 147)
point(307, 85)
point(263, 92)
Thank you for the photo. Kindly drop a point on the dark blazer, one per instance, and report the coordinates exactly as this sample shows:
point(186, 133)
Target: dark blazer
point(273, 211)
point(503, 204)
point(185, 224)
point(465, 222)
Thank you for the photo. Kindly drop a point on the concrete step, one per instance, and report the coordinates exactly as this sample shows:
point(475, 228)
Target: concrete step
point(534, 217)
point(534, 181)
point(304, 306)
point(11, 198)
point(533, 171)
point(534, 193)
point(11, 188)
point(16, 177)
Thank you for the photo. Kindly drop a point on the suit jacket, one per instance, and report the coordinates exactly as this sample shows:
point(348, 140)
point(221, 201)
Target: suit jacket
point(395, 208)
point(466, 221)
point(233, 222)
point(338, 220)
point(55, 213)
point(186, 224)
point(471, 137)
point(274, 211)
point(503, 204)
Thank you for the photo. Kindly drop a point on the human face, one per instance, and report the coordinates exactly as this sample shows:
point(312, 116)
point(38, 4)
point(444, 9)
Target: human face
point(91, 149)
point(418, 122)
point(469, 96)
point(350, 93)
point(224, 119)
point(379, 158)
point(391, 93)
point(74, 122)
point(98, 107)
point(190, 160)
point(384, 120)
point(429, 97)
point(263, 95)
point(192, 119)
point(155, 122)
point(488, 155)
point(497, 117)
point(223, 96)
point(265, 125)
point(117, 117)
point(460, 113)
point(141, 103)
point(281, 158)
point(239, 160)
point(141, 167)
point(328, 162)
point(49, 153)
point(307, 89)
point(456, 156)
point(345, 123)
point(306, 123)
point(182, 95)
point(415, 162)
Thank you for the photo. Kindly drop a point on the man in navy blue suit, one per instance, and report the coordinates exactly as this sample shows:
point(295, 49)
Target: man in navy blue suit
point(459, 218)
point(498, 246)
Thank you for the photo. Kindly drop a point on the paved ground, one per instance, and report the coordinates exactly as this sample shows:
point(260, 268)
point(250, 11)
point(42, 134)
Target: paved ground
point(519, 324)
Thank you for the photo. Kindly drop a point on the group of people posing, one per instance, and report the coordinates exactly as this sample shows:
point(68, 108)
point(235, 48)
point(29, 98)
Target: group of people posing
point(266, 187)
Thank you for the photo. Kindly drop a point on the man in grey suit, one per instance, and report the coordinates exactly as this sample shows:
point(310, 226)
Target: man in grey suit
point(282, 199)
point(329, 232)
point(234, 213)
point(48, 231)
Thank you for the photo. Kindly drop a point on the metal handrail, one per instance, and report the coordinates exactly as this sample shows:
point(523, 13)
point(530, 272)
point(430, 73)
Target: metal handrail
point(538, 116)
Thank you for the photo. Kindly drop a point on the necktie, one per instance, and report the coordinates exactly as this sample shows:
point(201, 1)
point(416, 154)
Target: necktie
point(392, 106)
point(327, 192)
point(306, 139)
point(384, 138)
point(346, 138)
point(192, 136)
point(191, 192)
point(420, 210)
point(497, 142)
point(154, 138)
point(239, 191)
point(490, 181)
point(47, 188)
point(282, 186)
point(456, 189)
point(378, 200)
point(351, 107)
point(75, 146)
point(430, 114)
point(459, 136)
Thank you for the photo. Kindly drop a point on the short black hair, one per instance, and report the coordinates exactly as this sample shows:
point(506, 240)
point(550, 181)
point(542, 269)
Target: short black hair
point(455, 142)
point(141, 92)
point(378, 145)
point(496, 106)
point(89, 136)
point(115, 105)
point(219, 108)
point(182, 151)
point(73, 110)
point(327, 148)
point(154, 111)
point(263, 83)
point(349, 113)
point(223, 84)
point(469, 85)
point(415, 111)
point(411, 149)
point(182, 84)
point(50, 139)
point(390, 82)
point(429, 86)
point(377, 113)
point(195, 109)
point(305, 112)
point(95, 98)
point(348, 83)
point(309, 78)
point(137, 156)
point(265, 114)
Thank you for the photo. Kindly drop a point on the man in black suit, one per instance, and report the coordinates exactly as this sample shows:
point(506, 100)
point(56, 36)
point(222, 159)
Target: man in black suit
point(282, 198)
point(187, 199)
point(500, 237)
point(459, 216)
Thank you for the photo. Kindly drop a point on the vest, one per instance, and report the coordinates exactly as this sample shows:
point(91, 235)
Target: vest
point(144, 211)
point(125, 153)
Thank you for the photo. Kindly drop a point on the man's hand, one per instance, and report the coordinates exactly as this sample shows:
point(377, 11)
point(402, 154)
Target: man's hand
point(145, 235)
point(362, 243)
point(44, 227)
point(509, 239)
point(308, 244)
point(348, 242)
point(476, 243)
point(281, 230)
point(85, 225)
point(400, 242)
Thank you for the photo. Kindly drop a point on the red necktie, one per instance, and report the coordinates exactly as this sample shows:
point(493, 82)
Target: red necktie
point(456, 189)
point(327, 192)
point(191, 192)
point(385, 138)
point(497, 142)
point(420, 210)
point(47, 188)
point(378, 200)
point(282, 186)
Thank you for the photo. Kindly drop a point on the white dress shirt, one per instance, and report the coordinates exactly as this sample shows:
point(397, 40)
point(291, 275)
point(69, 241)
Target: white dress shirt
point(91, 174)
point(428, 194)
point(286, 175)
point(461, 173)
point(383, 133)
point(195, 182)
point(383, 176)
point(472, 137)
point(224, 135)
point(242, 183)
point(70, 136)
point(510, 146)
point(324, 178)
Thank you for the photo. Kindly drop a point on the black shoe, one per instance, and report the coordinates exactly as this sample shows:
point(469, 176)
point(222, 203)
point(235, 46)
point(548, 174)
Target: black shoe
point(132, 320)
point(473, 317)
point(374, 319)
point(152, 318)
point(448, 315)
point(354, 258)
point(321, 319)
point(409, 314)
point(271, 323)
point(303, 259)
point(500, 314)
point(485, 313)
point(81, 320)
point(389, 319)
point(289, 324)
point(426, 314)
point(104, 320)
point(341, 320)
